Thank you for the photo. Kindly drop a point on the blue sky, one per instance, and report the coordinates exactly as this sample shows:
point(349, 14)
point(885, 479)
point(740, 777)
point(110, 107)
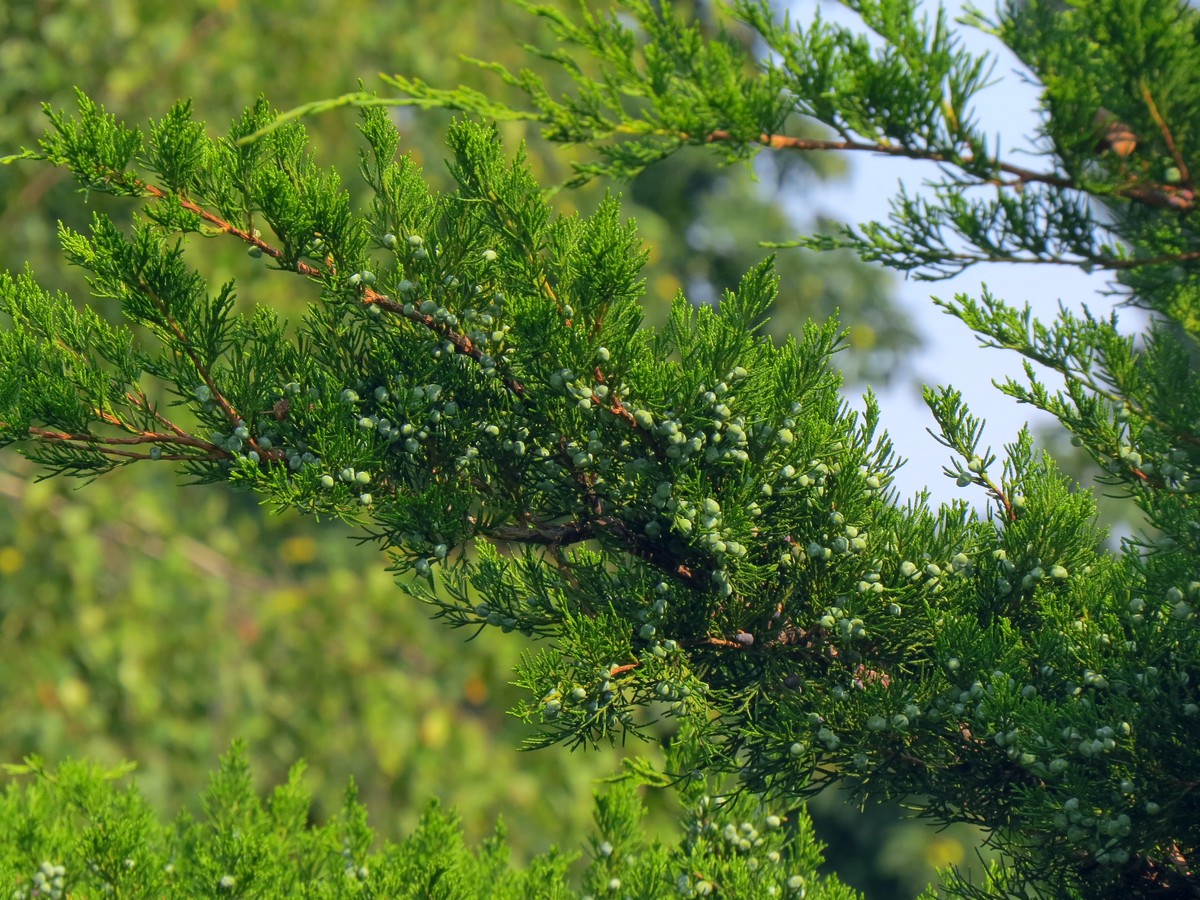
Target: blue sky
point(952, 354)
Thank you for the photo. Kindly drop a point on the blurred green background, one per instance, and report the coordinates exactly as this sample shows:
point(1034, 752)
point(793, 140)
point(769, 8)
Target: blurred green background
point(148, 621)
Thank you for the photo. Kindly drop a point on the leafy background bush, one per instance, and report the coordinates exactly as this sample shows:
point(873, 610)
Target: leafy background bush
point(77, 831)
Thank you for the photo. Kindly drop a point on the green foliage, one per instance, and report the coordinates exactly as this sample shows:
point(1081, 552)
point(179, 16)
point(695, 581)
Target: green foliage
point(688, 519)
point(149, 57)
point(144, 620)
point(74, 831)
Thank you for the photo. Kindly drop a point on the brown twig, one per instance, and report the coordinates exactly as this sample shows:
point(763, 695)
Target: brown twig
point(1111, 264)
point(1159, 196)
point(784, 142)
point(217, 222)
point(141, 401)
point(107, 445)
point(1168, 138)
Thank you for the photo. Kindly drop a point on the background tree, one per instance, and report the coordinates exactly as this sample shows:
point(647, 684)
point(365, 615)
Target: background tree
point(740, 558)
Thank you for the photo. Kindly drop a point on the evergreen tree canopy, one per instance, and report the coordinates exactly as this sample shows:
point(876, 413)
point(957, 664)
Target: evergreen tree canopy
point(689, 518)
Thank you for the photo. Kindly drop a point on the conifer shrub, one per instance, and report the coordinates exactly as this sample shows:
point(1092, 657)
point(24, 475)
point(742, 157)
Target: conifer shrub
point(689, 519)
